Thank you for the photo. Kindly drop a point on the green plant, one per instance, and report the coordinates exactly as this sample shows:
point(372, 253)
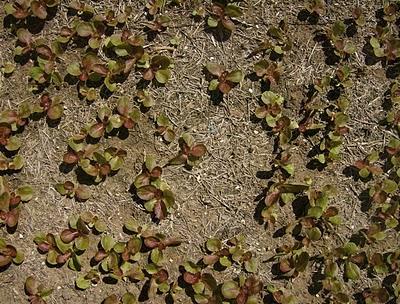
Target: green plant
point(270, 72)
point(225, 80)
point(154, 6)
point(10, 203)
point(9, 255)
point(342, 47)
point(272, 112)
point(35, 291)
point(21, 9)
point(153, 191)
point(281, 296)
point(156, 67)
point(245, 291)
point(164, 128)
point(127, 298)
point(316, 7)
point(366, 167)
point(190, 153)
point(222, 14)
point(235, 252)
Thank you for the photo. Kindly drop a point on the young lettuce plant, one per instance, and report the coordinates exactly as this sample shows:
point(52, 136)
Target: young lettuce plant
point(190, 153)
point(245, 291)
point(10, 203)
point(271, 111)
point(353, 260)
point(107, 121)
point(280, 295)
point(21, 9)
point(83, 282)
point(164, 128)
point(342, 47)
point(71, 243)
point(279, 192)
point(235, 252)
point(202, 284)
point(103, 164)
point(37, 293)
point(51, 107)
point(319, 217)
point(366, 166)
point(270, 72)
point(154, 6)
point(156, 67)
point(158, 25)
point(45, 71)
point(9, 255)
point(292, 260)
point(127, 298)
point(222, 14)
point(153, 191)
point(393, 151)
point(225, 80)
point(11, 164)
point(382, 190)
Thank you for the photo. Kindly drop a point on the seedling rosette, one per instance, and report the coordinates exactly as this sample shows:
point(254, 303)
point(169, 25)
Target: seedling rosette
point(9, 255)
point(221, 15)
point(225, 80)
point(190, 153)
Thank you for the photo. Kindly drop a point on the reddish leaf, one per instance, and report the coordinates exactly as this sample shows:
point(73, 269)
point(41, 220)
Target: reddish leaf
point(151, 242)
point(39, 9)
point(198, 150)
point(191, 278)
point(70, 158)
point(160, 210)
point(147, 192)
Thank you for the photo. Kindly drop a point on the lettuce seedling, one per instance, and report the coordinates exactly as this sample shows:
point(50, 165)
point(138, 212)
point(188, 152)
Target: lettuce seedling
point(366, 166)
point(125, 117)
point(382, 190)
point(280, 296)
point(10, 206)
point(277, 193)
point(190, 153)
point(159, 24)
point(390, 9)
point(67, 247)
point(83, 282)
point(234, 253)
point(283, 162)
point(78, 149)
point(353, 259)
point(154, 6)
point(342, 46)
point(332, 284)
point(103, 164)
point(9, 254)
point(358, 16)
point(157, 67)
point(90, 68)
point(294, 262)
point(393, 151)
point(52, 107)
point(127, 298)
point(36, 292)
point(225, 80)
point(376, 295)
point(145, 98)
point(45, 69)
point(164, 128)
point(319, 217)
point(270, 72)
point(21, 9)
point(153, 191)
point(246, 291)
point(158, 280)
point(222, 14)
point(11, 164)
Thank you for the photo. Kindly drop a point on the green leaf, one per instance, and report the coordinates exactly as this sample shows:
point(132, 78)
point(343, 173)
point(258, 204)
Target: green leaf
point(314, 234)
point(230, 290)
point(213, 85)
point(162, 76)
point(74, 69)
point(129, 298)
point(25, 192)
point(82, 283)
point(212, 22)
point(389, 186)
point(352, 271)
point(19, 258)
point(82, 243)
point(224, 261)
point(156, 256)
point(235, 76)
point(107, 242)
point(213, 245)
point(251, 265)
point(232, 10)
point(13, 144)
